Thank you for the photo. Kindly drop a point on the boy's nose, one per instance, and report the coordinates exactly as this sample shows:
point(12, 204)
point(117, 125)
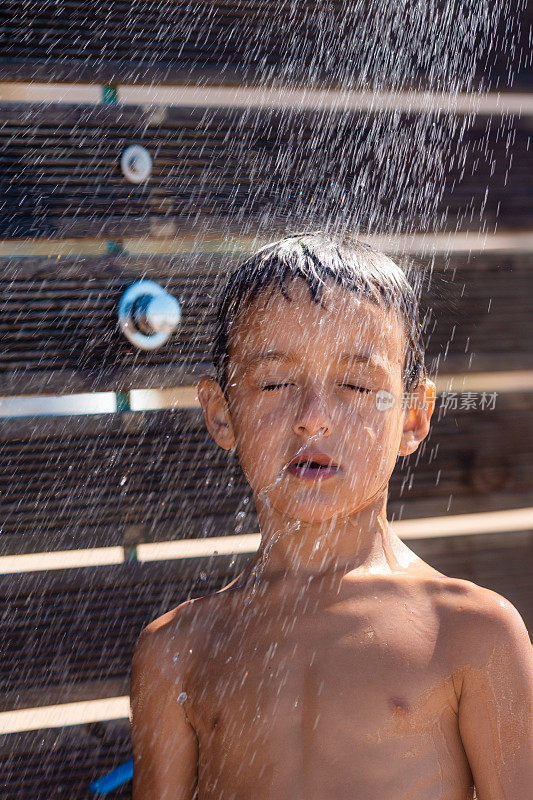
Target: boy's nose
point(313, 417)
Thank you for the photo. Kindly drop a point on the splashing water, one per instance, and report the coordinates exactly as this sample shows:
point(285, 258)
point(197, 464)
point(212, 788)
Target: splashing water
point(258, 570)
point(384, 400)
point(381, 168)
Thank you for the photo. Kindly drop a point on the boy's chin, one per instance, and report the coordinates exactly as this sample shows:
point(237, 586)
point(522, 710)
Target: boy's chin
point(311, 510)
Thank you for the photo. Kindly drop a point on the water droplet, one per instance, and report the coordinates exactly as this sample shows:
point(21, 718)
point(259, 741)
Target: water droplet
point(182, 697)
point(123, 480)
point(203, 575)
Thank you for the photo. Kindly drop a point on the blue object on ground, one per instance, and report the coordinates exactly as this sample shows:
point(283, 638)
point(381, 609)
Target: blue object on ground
point(113, 779)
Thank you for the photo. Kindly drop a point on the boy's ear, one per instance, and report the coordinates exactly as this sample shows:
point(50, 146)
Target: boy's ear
point(216, 412)
point(420, 407)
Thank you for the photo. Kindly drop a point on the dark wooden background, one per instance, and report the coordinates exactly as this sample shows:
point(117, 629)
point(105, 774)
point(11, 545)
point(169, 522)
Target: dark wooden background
point(97, 480)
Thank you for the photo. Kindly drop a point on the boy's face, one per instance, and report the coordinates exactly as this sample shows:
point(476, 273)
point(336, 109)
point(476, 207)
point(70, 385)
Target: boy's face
point(308, 383)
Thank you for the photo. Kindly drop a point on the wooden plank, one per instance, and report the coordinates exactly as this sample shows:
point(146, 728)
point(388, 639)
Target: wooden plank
point(64, 714)
point(80, 691)
point(59, 318)
point(79, 627)
point(62, 763)
point(228, 42)
point(320, 98)
point(90, 479)
point(243, 170)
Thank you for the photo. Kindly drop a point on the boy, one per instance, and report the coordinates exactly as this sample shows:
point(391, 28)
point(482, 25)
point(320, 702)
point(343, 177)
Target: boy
point(339, 665)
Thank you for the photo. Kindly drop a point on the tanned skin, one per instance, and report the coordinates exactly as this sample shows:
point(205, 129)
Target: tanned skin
point(352, 670)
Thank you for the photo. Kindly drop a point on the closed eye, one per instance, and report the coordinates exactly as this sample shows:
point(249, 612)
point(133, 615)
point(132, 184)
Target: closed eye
point(269, 387)
point(355, 388)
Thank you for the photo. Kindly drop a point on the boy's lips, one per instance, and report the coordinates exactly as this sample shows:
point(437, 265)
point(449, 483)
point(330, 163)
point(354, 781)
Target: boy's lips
point(313, 466)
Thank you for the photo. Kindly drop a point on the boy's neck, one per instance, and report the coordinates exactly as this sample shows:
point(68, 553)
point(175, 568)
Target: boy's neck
point(362, 541)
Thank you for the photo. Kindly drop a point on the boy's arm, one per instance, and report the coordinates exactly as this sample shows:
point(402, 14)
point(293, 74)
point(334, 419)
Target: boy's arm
point(165, 747)
point(496, 702)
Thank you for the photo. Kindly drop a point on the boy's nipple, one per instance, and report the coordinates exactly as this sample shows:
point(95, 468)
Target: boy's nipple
point(399, 706)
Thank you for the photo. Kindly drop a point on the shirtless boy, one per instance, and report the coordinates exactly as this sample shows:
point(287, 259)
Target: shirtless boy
point(338, 666)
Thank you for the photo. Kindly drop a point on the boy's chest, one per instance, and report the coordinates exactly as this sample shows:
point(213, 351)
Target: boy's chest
point(366, 673)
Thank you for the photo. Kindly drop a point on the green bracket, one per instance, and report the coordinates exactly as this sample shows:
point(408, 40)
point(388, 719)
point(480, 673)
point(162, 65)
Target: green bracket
point(123, 401)
point(131, 555)
point(110, 98)
point(133, 536)
point(109, 95)
point(114, 248)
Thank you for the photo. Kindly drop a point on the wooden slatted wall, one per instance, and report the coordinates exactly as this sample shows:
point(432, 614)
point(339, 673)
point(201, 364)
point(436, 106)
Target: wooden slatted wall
point(118, 479)
point(61, 170)
point(70, 305)
point(236, 42)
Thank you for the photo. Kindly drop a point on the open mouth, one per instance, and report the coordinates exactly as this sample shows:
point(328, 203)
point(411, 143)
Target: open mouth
point(313, 466)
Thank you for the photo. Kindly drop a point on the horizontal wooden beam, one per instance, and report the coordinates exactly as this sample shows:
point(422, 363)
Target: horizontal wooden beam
point(228, 43)
point(516, 519)
point(180, 397)
point(278, 97)
point(59, 716)
point(423, 245)
point(476, 382)
point(77, 692)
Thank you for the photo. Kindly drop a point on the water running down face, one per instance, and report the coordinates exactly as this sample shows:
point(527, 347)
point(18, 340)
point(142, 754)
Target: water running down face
point(314, 400)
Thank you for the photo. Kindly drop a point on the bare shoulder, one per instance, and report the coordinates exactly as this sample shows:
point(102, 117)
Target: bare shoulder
point(474, 604)
point(167, 639)
point(476, 621)
point(171, 642)
point(165, 747)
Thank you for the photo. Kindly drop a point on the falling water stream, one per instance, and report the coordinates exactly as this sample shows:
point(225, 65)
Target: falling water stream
point(362, 117)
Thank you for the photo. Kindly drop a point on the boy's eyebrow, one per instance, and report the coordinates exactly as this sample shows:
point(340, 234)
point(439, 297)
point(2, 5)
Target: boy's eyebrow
point(362, 358)
point(279, 355)
point(270, 355)
point(357, 357)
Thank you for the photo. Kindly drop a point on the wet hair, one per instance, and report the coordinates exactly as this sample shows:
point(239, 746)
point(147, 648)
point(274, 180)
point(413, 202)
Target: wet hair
point(317, 258)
